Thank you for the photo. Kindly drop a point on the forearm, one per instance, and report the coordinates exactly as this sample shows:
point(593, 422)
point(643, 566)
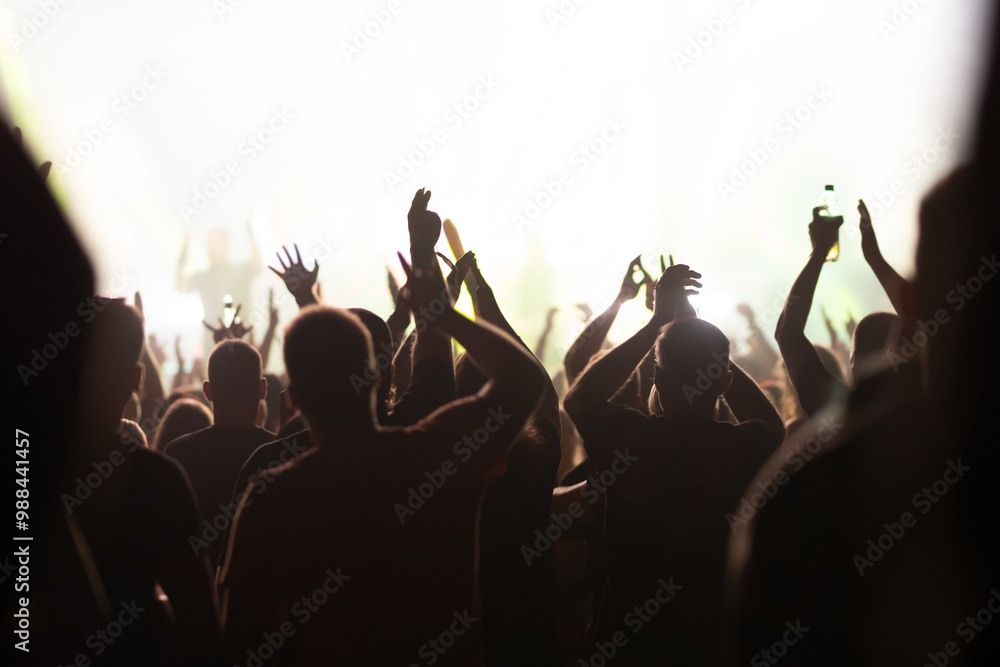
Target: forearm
point(398, 320)
point(893, 283)
point(305, 298)
point(152, 385)
point(747, 401)
point(609, 373)
point(493, 350)
point(489, 310)
point(795, 313)
point(589, 342)
point(265, 346)
point(402, 364)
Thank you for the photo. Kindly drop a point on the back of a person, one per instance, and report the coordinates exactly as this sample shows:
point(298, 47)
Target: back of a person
point(137, 519)
point(669, 518)
point(385, 555)
point(212, 458)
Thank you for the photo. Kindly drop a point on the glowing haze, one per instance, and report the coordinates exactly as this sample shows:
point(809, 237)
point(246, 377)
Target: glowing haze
point(563, 138)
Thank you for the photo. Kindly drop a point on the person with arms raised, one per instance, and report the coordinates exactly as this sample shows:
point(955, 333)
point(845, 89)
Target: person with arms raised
point(676, 477)
point(341, 555)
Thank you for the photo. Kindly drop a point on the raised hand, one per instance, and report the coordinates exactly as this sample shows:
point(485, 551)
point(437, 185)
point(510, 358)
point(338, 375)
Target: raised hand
point(422, 288)
point(298, 280)
point(823, 231)
point(672, 292)
point(458, 272)
point(234, 330)
point(424, 225)
point(586, 311)
point(271, 310)
point(829, 325)
point(869, 244)
point(155, 349)
point(630, 286)
point(179, 354)
point(746, 311)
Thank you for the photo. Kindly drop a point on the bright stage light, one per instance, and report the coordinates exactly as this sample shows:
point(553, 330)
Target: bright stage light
point(562, 143)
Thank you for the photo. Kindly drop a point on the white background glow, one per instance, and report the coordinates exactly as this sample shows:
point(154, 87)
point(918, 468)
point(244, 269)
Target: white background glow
point(894, 75)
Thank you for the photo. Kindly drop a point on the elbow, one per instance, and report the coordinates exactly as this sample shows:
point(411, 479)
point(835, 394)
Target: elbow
point(780, 330)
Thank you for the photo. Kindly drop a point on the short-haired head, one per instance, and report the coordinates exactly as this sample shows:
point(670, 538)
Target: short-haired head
point(235, 373)
point(692, 363)
point(330, 364)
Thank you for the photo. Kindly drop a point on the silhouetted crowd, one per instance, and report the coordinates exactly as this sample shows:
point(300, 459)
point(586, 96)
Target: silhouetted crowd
point(419, 490)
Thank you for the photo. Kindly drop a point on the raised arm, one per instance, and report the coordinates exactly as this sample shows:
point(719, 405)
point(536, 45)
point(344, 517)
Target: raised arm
point(151, 392)
point(590, 340)
point(543, 339)
point(759, 343)
point(182, 282)
point(298, 280)
point(489, 310)
point(425, 229)
point(892, 282)
point(814, 384)
point(399, 318)
point(601, 380)
point(514, 378)
point(272, 326)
